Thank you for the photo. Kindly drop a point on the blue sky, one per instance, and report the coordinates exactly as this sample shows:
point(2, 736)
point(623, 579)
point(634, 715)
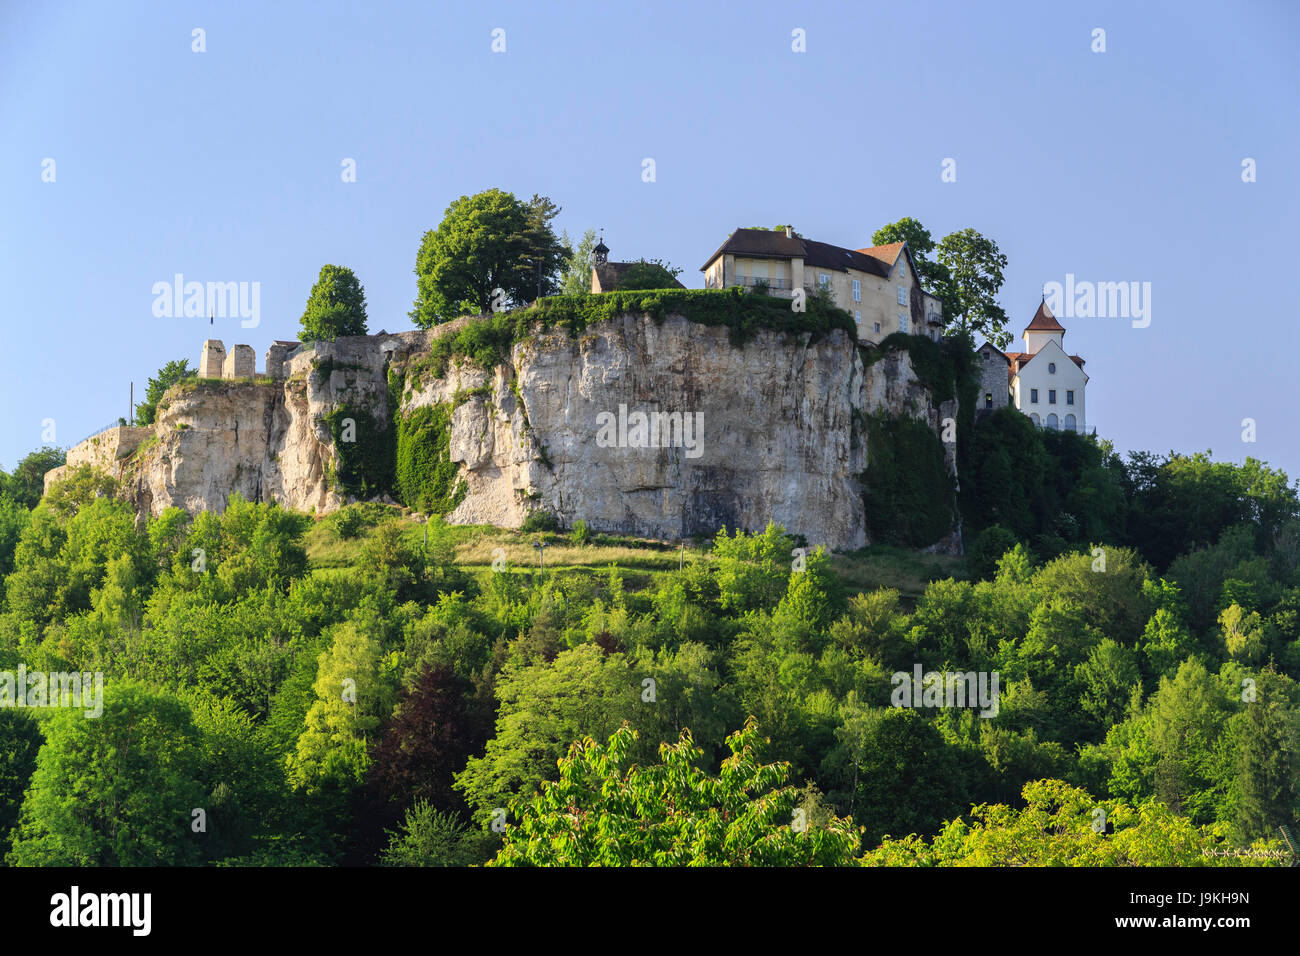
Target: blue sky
point(225, 166)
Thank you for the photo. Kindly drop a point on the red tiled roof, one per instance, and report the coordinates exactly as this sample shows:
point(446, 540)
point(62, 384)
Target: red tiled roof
point(886, 254)
point(1044, 321)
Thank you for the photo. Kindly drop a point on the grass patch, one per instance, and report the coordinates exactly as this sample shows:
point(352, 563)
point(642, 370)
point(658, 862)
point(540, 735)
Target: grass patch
point(885, 566)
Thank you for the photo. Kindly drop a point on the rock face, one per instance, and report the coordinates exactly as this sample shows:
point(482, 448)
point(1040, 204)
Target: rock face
point(770, 431)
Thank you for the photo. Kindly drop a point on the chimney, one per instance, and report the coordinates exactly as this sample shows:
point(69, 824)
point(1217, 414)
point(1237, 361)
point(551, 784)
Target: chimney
point(789, 232)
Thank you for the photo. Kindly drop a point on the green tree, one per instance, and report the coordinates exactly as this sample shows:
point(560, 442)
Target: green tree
point(117, 790)
point(14, 517)
point(146, 412)
point(355, 691)
point(20, 741)
point(606, 811)
point(1265, 789)
point(975, 265)
point(935, 276)
point(485, 242)
point(544, 707)
point(1166, 641)
point(431, 837)
point(1059, 826)
point(753, 570)
point(545, 255)
point(894, 773)
point(27, 483)
point(336, 306)
point(1108, 678)
point(575, 277)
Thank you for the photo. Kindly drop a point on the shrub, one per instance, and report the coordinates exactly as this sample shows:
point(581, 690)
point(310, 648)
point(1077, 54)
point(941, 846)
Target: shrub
point(540, 521)
point(350, 520)
point(580, 534)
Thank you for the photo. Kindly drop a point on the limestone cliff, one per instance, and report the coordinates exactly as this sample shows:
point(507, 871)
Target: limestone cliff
point(779, 429)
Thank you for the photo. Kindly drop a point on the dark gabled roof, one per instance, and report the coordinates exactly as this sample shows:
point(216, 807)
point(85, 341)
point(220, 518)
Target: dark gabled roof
point(824, 255)
point(1044, 321)
point(760, 244)
point(766, 244)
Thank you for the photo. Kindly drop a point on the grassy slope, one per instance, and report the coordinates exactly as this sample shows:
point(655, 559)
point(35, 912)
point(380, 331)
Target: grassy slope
point(865, 570)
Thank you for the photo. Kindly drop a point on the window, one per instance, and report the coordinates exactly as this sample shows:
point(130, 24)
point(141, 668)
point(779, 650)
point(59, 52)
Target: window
point(988, 399)
point(1052, 422)
point(1051, 396)
point(1070, 424)
point(1033, 396)
point(1069, 397)
point(824, 280)
point(877, 326)
point(902, 295)
point(857, 290)
point(902, 321)
point(1051, 368)
point(857, 316)
point(1033, 417)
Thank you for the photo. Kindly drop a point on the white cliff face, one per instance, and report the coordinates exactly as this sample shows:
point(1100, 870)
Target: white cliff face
point(779, 436)
point(769, 436)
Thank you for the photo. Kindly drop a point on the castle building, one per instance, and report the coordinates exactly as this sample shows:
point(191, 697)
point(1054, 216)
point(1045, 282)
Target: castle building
point(1043, 382)
point(877, 285)
point(241, 360)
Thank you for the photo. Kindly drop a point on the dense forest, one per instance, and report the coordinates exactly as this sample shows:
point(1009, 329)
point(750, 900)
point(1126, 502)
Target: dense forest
point(370, 687)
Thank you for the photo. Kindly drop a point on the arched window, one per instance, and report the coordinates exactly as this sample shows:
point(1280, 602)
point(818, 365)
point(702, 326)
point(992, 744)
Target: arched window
point(1033, 417)
point(1051, 421)
point(1070, 425)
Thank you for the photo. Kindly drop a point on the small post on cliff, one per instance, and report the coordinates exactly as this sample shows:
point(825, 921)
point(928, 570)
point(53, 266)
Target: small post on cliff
point(681, 561)
point(131, 413)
